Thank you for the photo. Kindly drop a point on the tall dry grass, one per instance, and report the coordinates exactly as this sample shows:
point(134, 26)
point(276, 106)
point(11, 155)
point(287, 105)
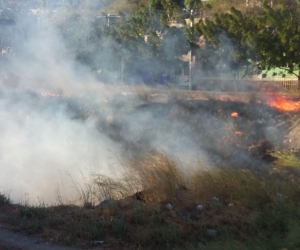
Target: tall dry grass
point(153, 175)
point(157, 179)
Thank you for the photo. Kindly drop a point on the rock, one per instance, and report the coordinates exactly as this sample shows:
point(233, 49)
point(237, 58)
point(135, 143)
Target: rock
point(211, 232)
point(97, 242)
point(169, 206)
point(215, 199)
point(200, 208)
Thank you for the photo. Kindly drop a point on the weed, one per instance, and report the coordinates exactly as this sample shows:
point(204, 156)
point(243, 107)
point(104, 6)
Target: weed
point(32, 212)
point(111, 207)
point(4, 199)
point(119, 227)
point(271, 221)
point(141, 237)
point(253, 190)
point(286, 159)
point(292, 238)
point(165, 235)
point(91, 229)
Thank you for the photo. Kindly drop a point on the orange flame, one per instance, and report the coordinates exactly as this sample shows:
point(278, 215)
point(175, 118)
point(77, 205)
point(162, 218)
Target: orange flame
point(283, 103)
point(234, 114)
point(239, 133)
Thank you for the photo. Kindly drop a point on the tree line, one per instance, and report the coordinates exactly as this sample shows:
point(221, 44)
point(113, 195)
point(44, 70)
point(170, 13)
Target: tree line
point(240, 40)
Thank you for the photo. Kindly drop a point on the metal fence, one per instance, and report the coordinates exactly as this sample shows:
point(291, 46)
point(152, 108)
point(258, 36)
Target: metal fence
point(283, 84)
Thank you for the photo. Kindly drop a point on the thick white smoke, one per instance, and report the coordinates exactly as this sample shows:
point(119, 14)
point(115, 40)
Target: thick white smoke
point(42, 144)
point(48, 142)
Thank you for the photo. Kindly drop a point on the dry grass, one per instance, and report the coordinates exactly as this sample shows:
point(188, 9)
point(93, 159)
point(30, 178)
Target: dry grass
point(244, 207)
point(155, 175)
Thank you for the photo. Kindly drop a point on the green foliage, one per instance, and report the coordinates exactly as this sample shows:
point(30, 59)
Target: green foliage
point(193, 4)
point(286, 159)
point(237, 40)
point(231, 42)
point(278, 38)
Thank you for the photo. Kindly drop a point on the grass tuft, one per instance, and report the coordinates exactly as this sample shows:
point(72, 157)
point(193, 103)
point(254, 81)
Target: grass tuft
point(155, 175)
point(286, 159)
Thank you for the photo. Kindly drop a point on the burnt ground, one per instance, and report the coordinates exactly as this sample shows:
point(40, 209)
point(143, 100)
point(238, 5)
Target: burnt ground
point(205, 125)
point(181, 126)
point(176, 126)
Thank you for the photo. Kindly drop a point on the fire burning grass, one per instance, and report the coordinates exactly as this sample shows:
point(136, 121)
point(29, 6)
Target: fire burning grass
point(156, 205)
point(222, 208)
point(269, 96)
point(283, 103)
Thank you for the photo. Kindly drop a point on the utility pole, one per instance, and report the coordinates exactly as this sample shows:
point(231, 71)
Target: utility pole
point(191, 51)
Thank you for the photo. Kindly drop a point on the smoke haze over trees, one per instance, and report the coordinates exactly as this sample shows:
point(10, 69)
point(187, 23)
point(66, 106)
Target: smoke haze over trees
point(140, 40)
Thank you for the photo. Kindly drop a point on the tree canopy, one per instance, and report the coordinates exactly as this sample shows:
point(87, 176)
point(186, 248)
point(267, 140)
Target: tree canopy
point(279, 36)
point(236, 40)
